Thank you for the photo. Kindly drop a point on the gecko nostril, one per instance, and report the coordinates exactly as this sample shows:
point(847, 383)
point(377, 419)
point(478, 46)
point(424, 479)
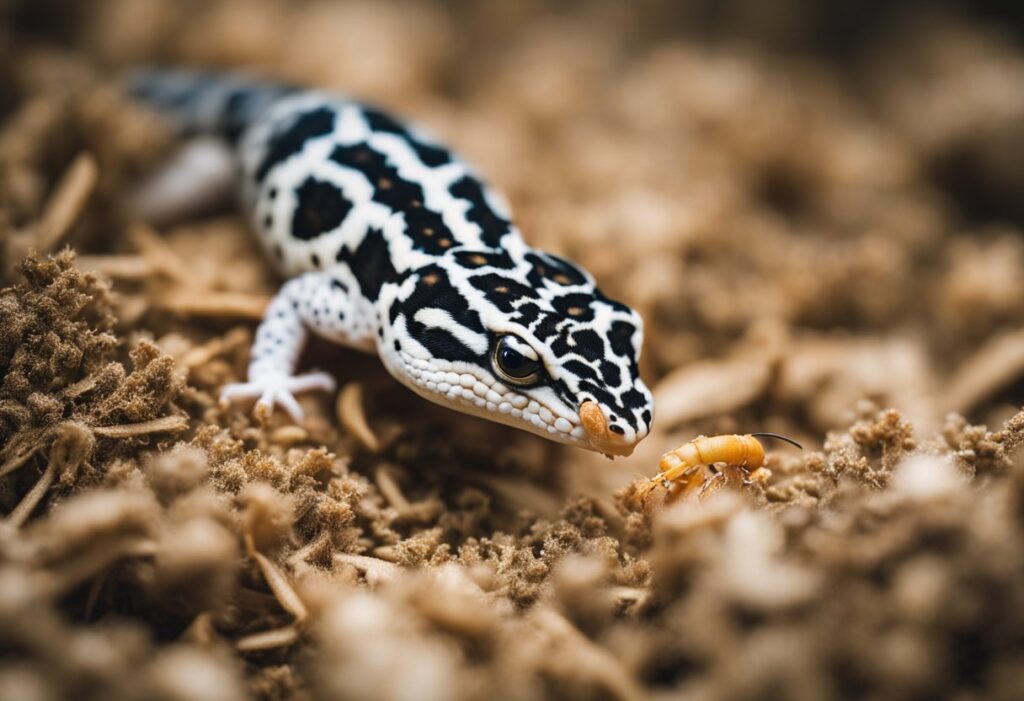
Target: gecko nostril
point(615, 428)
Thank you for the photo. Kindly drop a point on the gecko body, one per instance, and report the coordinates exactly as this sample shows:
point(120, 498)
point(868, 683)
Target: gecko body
point(393, 245)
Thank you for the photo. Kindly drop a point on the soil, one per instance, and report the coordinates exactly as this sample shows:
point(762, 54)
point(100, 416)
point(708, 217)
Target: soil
point(820, 221)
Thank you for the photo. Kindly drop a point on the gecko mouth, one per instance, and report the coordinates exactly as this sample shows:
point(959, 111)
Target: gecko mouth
point(473, 391)
point(595, 424)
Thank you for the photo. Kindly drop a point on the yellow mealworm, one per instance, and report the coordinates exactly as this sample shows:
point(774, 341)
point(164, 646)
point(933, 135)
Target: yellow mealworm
point(682, 463)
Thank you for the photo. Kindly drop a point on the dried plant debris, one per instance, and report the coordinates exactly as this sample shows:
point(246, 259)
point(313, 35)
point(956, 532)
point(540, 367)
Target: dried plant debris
point(843, 268)
point(69, 406)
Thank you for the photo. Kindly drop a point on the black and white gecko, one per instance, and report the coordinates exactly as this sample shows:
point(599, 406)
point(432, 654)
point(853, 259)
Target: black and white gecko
point(393, 245)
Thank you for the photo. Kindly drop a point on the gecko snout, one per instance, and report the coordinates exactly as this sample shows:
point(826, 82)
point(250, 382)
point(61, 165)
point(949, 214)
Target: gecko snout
point(600, 434)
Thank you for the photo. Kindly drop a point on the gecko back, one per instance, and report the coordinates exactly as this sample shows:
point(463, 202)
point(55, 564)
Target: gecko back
point(318, 171)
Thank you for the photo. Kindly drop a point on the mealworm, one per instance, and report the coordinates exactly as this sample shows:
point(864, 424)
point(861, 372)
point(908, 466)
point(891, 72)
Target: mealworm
point(681, 464)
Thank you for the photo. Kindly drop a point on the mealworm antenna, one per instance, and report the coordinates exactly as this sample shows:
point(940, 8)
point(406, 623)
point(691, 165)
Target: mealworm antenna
point(778, 437)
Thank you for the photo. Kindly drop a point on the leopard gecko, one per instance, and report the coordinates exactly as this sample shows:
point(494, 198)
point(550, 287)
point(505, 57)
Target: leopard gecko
point(391, 244)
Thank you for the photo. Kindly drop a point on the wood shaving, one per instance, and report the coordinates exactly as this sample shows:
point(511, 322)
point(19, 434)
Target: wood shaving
point(66, 203)
point(711, 388)
point(169, 424)
point(993, 366)
point(352, 416)
point(217, 305)
point(375, 570)
point(268, 640)
point(282, 588)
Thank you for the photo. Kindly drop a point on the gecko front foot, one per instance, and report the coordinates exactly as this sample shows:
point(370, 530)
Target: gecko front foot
point(277, 390)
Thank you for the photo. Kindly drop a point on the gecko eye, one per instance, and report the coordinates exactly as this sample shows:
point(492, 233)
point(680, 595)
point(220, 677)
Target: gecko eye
point(513, 365)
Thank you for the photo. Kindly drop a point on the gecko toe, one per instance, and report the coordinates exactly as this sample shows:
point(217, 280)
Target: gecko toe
point(277, 391)
point(291, 405)
point(239, 390)
point(317, 380)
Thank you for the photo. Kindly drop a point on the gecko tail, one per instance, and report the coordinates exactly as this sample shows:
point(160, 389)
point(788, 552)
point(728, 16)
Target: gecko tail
point(205, 103)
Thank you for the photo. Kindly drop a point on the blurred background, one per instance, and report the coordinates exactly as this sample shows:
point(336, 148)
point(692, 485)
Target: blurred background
point(818, 210)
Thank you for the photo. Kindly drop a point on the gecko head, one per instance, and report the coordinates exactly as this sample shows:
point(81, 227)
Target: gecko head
point(528, 341)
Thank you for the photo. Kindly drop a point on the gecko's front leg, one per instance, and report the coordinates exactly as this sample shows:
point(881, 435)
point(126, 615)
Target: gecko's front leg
point(315, 301)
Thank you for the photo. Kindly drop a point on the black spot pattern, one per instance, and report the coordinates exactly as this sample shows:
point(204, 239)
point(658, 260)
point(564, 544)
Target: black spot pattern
point(527, 313)
point(610, 373)
point(614, 304)
point(585, 343)
point(430, 155)
point(434, 290)
point(282, 146)
point(547, 267)
point(492, 227)
point(547, 327)
point(424, 226)
point(589, 344)
point(479, 259)
point(603, 397)
point(580, 369)
point(370, 263)
point(501, 291)
point(621, 338)
point(321, 208)
point(442, 344)
point(633, 398)
point(597, 392)
point(576, 306)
